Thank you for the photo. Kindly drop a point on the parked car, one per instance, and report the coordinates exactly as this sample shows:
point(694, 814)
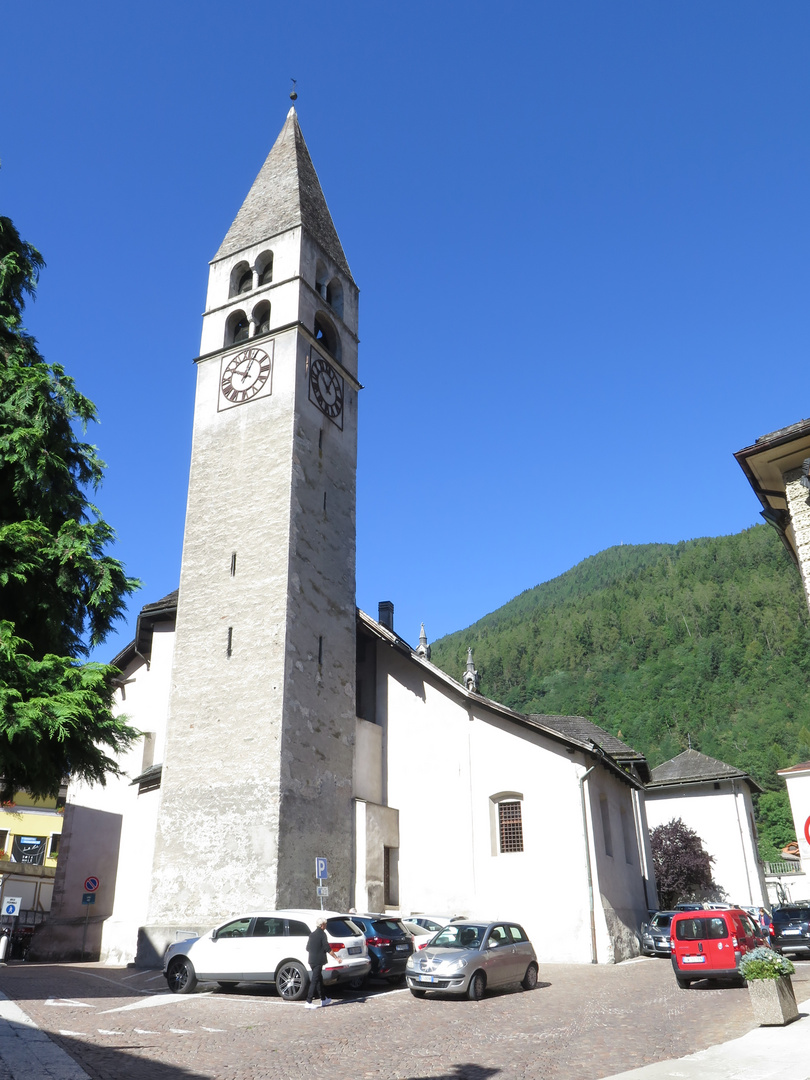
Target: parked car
point(467, 957)
point(790, 928)
point(267, 947)
point(389, 945)
point(434, 923)
point(420, 934)
point(709, 944)
point(655, 934)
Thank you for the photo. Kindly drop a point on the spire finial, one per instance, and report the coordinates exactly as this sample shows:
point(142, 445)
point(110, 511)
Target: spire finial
point(423, 649)
point(471, 677)
point(293, 94)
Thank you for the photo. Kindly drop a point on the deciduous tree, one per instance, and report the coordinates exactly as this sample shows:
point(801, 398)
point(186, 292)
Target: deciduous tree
point(682, 866)
point(60, 593)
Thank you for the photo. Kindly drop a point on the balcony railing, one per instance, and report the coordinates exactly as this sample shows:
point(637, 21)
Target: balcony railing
point(783, 868)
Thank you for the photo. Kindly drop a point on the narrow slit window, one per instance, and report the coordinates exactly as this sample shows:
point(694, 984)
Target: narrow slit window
point(320, 650)
point(233, 564)
point(230, 641)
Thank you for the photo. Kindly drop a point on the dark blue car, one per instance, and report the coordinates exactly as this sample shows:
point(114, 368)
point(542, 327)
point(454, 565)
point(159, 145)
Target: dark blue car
point(389, 945)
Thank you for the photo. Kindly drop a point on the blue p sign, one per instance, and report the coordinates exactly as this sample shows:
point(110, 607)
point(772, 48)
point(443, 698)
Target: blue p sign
point(320, 868)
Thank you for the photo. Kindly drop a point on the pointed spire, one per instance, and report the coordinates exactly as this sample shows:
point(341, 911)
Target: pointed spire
point(471, 677)
point(423, 649)
point(285, 194)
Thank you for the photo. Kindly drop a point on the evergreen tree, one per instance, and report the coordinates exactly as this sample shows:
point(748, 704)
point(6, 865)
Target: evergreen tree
point(59, 592)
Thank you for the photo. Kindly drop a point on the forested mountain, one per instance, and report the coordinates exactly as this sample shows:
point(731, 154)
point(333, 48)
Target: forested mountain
point(706, 640)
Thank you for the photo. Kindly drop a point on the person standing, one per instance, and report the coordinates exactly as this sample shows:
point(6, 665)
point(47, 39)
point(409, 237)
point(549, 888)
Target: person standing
point(318, 948)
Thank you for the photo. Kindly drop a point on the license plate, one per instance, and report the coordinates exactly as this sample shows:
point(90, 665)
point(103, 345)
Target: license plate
point(428, 978)
point(786, 932)
point(354, 950)
point(693, 959)
point(403, 947)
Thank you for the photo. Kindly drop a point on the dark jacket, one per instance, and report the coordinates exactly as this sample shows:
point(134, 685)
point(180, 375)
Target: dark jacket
point(317, 947)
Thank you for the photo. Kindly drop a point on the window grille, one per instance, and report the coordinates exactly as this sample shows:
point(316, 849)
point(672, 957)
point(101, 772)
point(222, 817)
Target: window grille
point(510, 826)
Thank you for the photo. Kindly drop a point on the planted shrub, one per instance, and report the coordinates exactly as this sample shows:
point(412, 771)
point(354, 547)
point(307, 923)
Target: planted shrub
point(764, 963)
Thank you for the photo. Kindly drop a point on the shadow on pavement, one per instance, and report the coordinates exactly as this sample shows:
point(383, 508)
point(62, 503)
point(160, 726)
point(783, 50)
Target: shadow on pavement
point(124, 1063)
point(463, 1072)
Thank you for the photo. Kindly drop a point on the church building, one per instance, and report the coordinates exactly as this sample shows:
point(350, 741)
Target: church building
point(282, 725)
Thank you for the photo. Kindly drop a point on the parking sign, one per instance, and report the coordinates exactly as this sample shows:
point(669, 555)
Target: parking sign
point(320, 868)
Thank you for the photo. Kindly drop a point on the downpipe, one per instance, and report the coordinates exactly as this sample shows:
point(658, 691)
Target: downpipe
point(582, 780)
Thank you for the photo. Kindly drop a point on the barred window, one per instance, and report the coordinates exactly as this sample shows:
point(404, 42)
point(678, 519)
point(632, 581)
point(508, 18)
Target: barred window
point(510, 826)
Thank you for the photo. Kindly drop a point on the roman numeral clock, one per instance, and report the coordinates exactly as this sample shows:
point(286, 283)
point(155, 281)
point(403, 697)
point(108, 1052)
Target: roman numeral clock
point(246, 375)
point(326, 388)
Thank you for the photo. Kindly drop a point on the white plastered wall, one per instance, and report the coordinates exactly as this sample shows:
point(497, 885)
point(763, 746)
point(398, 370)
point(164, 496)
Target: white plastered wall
point(446, 795)
point(723, 818)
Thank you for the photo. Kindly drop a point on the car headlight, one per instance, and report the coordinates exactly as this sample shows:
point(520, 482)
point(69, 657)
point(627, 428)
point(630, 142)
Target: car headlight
point(456, 965)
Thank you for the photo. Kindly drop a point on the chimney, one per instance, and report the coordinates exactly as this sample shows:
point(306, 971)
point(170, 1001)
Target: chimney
point(385, 614)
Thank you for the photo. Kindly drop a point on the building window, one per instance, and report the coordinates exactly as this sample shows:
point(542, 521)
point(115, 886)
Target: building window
point(264, 265)
point(627, 837)
point(53, 850)
point(261, 319)
point(391, 876)
point(236, 328)
point(3, 841)
point(334, 296)
point(326, 336)
point(510, 826)
point(241, 279)
point(606, 834)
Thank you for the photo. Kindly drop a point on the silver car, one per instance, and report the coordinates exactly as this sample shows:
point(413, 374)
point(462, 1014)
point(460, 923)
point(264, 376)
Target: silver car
point(467, 957)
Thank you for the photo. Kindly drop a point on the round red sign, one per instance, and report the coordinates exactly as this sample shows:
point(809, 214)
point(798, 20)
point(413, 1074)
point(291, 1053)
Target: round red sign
point(807, 830)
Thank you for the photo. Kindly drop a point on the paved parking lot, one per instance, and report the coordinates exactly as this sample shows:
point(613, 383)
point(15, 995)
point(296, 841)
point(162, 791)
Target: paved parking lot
point(581, 1023)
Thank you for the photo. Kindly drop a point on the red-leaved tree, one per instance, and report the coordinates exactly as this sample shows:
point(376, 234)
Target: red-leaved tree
point(682, 865)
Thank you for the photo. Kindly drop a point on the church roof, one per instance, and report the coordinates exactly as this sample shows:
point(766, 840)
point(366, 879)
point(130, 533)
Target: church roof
point(692, 767)
point(285, 194)
point(584, 730)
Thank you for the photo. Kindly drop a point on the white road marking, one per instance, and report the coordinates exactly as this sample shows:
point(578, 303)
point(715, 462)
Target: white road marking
point(25, 1051)
point(215, 1029)
point(105, 1031)
point(138, 973)
point(69, 1002)
point(143, 1031)
point(115, 982)
point(159, 999)
point(75, 1034)
point(155, 978)
point(181, 1031)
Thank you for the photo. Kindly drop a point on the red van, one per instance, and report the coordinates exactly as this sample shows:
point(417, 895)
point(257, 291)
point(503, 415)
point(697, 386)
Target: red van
point(709, 944)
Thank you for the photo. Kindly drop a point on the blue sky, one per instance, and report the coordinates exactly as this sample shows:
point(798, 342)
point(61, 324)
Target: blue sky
point(580, 231)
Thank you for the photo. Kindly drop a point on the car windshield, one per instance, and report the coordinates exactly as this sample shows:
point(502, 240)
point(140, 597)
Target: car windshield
point(389, 928)
point(462, 936)
point(661, 922)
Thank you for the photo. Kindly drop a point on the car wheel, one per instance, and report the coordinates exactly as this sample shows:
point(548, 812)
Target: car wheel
point(180, 976)
point(478, 984)
point(530, 978)
point(418, 993)
point(683, 983)
point(358, 983)
point(291, 980)
point(227, 985)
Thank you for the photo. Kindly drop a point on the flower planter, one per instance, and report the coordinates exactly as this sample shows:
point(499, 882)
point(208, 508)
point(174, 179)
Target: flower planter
point(773, 1001)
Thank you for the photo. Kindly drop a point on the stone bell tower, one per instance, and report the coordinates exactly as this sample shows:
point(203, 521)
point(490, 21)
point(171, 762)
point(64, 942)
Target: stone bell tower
point(257, 777)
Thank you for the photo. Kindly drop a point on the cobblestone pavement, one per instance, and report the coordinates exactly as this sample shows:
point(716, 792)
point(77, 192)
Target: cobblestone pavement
point(581, 1023)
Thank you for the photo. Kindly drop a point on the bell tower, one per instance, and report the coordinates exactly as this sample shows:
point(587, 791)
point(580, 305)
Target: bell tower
point(257, 777)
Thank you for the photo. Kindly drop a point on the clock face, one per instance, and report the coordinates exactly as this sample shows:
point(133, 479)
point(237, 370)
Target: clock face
point(245, 375)
point(326, 388)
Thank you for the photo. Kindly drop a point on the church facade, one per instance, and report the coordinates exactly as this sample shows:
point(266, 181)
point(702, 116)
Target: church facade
point(281, 724)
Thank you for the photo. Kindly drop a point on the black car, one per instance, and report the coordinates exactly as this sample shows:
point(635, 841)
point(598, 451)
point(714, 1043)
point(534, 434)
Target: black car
point(389, 945)
point(790, 928)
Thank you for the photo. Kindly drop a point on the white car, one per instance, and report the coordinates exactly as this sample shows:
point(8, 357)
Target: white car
point(420, 934)
point(267, 947)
